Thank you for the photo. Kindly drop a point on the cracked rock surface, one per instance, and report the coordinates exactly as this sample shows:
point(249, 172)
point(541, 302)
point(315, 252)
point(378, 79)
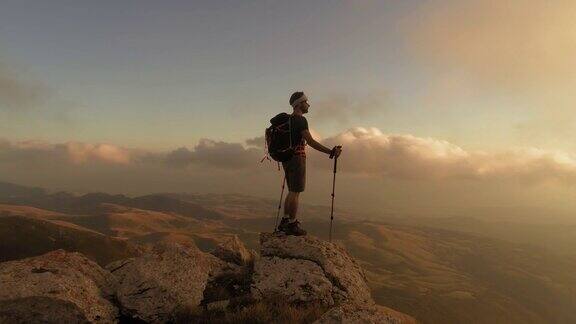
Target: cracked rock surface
point(295, 280)
point(153, 286)
point(55, 287)
point(338, 267)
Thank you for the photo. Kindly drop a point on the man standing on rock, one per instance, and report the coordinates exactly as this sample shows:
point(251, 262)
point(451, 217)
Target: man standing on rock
point(295, 168)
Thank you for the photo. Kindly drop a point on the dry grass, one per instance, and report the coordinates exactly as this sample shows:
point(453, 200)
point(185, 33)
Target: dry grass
point(229, 284)
point(255, 312)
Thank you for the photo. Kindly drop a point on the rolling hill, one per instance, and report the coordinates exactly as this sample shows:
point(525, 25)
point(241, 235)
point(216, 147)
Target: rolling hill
point(436, 275)
point(22, 237)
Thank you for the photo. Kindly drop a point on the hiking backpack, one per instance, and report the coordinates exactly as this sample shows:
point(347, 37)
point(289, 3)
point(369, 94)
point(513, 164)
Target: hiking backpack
point(279, 139)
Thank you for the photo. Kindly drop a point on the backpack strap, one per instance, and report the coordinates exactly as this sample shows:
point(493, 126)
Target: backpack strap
point(266, 155)
point(290, 128)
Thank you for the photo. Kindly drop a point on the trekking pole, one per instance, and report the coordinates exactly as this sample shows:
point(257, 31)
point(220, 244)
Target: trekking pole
point(280, 203)
point(333, 187)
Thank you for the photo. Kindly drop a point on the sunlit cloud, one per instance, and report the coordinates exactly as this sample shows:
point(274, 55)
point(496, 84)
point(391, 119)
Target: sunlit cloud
point(366, 152)
point(74, 153)
point(81, 152)
point(371, 152)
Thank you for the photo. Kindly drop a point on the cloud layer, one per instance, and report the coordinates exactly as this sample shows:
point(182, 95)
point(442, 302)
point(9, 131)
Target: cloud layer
point(367, 151)
point(414, 174)
point(73, 153)
point(218, 154)
point(371, 152)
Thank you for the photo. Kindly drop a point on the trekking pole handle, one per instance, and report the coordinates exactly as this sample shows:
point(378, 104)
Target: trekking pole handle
point(333, 155)
point(334, 151)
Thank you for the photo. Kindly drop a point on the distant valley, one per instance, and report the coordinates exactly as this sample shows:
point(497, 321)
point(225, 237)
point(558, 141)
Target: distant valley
point(439, 271)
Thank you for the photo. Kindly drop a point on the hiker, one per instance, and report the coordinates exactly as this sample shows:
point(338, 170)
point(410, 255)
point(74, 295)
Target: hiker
point(295, 168)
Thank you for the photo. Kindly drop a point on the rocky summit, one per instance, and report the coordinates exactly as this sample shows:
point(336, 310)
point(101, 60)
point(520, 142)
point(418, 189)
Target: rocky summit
point(305, 268)
point(170, 279)
point(344, 274)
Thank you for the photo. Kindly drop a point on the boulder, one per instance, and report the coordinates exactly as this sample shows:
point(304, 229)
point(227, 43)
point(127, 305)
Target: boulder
point(233, 250)
point(38, 309)
point(369, 314)
point(295, 280)
point(342, 270)
point(154, 286)
point(58, 286)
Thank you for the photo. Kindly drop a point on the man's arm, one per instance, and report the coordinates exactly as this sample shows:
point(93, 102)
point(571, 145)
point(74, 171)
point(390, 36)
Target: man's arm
point(308, 137)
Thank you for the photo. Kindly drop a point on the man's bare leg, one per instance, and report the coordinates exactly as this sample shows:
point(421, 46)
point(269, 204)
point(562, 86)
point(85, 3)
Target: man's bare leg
point(291, 205)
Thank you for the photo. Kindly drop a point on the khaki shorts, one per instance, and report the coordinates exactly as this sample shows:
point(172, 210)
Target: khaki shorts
point(295, 171)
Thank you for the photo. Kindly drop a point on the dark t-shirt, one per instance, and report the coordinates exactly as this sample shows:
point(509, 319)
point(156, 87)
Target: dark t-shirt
point(298, 123)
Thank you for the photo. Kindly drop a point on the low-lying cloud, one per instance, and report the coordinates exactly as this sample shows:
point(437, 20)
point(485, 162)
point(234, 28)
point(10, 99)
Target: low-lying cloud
point(73, 153)
point(218, 154)
point(366, 152)
point(81, 153)
point(413, 173)
point(371, 152)
point(256, 142)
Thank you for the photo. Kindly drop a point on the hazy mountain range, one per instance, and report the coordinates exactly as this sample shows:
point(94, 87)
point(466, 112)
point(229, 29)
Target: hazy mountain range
point(439, 270)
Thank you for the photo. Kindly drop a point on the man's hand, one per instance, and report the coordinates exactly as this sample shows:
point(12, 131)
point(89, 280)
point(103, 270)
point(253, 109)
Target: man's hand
point(336, 151)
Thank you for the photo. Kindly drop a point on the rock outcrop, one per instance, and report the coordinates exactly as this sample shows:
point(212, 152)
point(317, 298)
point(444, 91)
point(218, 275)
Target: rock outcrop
point(154, 286)
point(233, 250)
point(282, 254)
point(56, 287)
point(169, 279)
point(303, 269)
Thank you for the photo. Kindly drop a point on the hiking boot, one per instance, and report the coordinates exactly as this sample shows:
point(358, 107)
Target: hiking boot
point(294, 229)
point(283, 223)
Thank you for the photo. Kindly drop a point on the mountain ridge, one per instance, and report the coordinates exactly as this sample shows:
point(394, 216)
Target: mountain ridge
point(432, 273)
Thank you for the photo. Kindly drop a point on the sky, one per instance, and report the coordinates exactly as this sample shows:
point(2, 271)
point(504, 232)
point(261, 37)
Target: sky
point(441, 105)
